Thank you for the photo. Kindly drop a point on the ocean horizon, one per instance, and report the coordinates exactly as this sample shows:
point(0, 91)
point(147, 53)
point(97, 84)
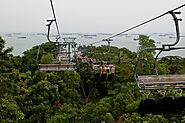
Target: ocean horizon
point(25, 41)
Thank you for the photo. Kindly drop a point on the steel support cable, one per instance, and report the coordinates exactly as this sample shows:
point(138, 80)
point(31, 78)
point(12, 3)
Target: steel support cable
point(55, 19)
point(141, 24)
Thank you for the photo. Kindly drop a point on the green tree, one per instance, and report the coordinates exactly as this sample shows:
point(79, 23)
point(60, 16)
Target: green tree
point(67, 113)
point(175, 64)
point(149, 118)
point(146, 63)
point(10, 111)
point(87, 84)
point(32, 57)
point(124, 60)
point(47, 59)
point(4, 56)
point(101, 110)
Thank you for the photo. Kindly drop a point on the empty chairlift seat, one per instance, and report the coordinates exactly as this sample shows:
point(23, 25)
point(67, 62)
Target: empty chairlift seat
point(161, 81)
point(56, 67)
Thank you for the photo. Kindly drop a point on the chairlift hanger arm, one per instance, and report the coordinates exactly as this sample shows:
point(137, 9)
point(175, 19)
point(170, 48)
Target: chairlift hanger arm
point(108, 41)
point(50, 23)
point(49, 28)
point(54, 15)
point(176, 21)
point(167, 47)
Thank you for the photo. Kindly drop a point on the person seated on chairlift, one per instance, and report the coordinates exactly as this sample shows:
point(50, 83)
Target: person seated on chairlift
point(108, 68)
point(111, 68)
point(90, 60)
point(105, 68)
point(74, 58)
point(84, 59)
point(101, 67)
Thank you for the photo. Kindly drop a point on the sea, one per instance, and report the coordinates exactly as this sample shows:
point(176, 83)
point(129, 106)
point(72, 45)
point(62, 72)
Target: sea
point(24, 41)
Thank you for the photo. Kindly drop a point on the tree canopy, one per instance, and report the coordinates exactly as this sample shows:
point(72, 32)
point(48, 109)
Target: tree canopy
point(29, 95)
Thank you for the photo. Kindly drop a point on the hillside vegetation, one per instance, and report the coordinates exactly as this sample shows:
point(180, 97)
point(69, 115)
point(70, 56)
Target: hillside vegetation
point(28, 95)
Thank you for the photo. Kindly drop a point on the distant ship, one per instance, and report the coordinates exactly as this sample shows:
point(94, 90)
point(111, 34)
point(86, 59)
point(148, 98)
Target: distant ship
point(161, 35)
point(9, 35)
point(135, 39)
point(128, 36)
point(67, 34)
point(172, 37)
point(158, 42)
point(22, 37)
point(89, 35)
point(105, 33)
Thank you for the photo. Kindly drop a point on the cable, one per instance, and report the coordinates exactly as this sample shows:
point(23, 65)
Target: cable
point(138, 25)
point(54, 15)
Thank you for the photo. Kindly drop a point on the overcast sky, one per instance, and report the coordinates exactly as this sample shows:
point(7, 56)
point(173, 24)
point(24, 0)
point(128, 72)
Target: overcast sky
point(88, 15)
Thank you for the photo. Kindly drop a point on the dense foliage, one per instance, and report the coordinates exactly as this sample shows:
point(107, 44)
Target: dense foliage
point(28, 95)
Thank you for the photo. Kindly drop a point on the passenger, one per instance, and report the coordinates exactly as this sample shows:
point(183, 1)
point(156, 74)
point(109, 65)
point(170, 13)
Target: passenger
point(108, 68)
point(101, 67)
point(84, 60)
point(90, 60)
point(112, 68)
point(105, 70)
point(74, 58)
point(94, 61)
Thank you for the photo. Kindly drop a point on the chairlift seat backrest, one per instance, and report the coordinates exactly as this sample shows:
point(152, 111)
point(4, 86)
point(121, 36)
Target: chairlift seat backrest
point(56, 67)
point(161, 81)
point(105, 68)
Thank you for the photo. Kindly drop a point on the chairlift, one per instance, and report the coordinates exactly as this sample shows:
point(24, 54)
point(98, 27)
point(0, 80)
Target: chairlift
point(62, 63)
point(66, 52)
point(157, 81)
point(105, 70)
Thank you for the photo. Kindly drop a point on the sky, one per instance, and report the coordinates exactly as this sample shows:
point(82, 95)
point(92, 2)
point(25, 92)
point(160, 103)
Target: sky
point(88, 16)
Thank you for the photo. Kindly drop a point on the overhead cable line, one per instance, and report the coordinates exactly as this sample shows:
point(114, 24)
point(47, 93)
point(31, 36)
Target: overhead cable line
point(138, 25)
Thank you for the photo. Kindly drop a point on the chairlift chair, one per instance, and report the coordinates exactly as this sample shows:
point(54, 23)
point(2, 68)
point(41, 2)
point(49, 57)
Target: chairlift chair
point(103, 71)
point(161, 81)
point(60, 64)
point(107, 71)
point(64, 61)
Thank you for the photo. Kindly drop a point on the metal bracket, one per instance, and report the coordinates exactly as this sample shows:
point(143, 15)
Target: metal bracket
point(108, 41)
point(48, 32)
point(167, 47)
